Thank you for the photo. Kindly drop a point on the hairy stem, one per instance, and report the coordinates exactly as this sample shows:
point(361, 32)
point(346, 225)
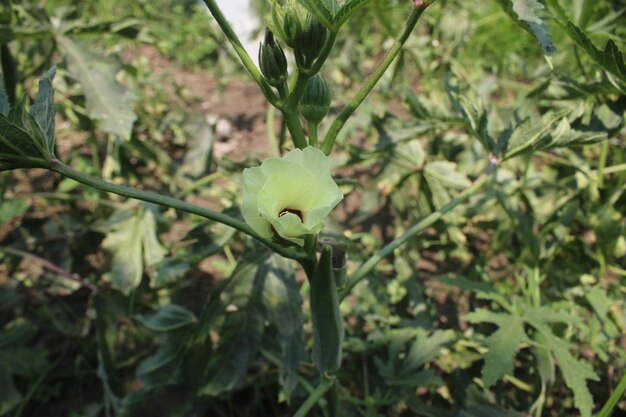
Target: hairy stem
point(241, 52)
point(162, 200)
point(325, 385)
point(373, 79)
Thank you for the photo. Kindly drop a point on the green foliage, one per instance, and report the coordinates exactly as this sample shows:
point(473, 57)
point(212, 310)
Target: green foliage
point(107, 101)
point(479, 248)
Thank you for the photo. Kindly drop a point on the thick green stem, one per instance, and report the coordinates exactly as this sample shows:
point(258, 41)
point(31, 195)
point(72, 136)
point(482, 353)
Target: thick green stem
point(365, 268)
point(295, 128)
point(373, 79)
point(604, 152)
point(290, 108)
point(312, 134)
point(610, 404)
point(332, 400)
point(315, 396)
point(150, 197)
point(241, 52)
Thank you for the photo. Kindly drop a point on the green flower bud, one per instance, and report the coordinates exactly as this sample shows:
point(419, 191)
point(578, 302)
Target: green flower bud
point(315, 101)
point(289, 196)
point(293, 22)
point(310, 42)
point(272, 61)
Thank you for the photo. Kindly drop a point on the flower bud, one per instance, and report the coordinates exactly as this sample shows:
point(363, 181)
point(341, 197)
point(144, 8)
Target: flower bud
point(310, 42)
point(293, 22)
point(315, 101)
point(272, 61)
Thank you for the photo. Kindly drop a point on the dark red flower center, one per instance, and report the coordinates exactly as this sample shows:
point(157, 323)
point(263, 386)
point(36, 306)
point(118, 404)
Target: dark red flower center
point(292, 211)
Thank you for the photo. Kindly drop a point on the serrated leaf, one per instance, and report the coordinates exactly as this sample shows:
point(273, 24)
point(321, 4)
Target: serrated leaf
point(524, 13)
point(347, 10)
point(475, 118)
point(168, 318)
point(108, 101)
point(426, 348)
point(21, 138)
point(243, 325)
point(610, 59)
point(575, 373)
point(528, 133)
point(503, 343)
point(43, 109)
point(442, 176)
point(320, 11)
point(131, 239)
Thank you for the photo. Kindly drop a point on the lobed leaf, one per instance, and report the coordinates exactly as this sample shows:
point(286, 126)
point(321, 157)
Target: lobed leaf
point(108, 101)
point(524, 13)
point(43, 110)
point(611, 59)
point(503, 343)
point(575, 373)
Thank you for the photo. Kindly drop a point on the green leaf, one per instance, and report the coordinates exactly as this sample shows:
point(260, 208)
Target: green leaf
point(524, 13)
point(475, 118)
point(160, 369)
point(44, 109)
point(575, 373)
point(108, 101)
point(320, 11)
point(442, 176)
point(528, 133)
point(132, 240)
point(243, 325)
point(168, 318)
point(503, 343)
point(9, 396)
point(347, 10)
point(4, 99)
point(21, 138)
point(610, 59)
point(425, 348)
point(282, 302)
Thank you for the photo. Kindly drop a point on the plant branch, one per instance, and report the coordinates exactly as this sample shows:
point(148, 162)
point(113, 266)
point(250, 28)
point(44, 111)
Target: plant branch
point(59, 167)
point(315, 396)
point(51, 267)
point(241, 52)
point(373, 79)
point(366, 267)
point(610, 404)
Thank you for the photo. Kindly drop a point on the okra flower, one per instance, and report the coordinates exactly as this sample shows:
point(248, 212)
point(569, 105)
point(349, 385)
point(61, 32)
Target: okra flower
point(289, 196)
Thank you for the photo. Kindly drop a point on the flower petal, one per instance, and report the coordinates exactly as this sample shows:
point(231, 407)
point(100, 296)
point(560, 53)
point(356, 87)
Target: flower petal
point(253, 180)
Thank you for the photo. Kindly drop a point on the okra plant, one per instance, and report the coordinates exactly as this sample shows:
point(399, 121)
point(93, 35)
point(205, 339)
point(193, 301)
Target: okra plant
point(285, 200)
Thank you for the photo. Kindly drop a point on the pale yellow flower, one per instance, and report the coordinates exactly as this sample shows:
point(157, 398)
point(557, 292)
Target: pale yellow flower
point(289, 196)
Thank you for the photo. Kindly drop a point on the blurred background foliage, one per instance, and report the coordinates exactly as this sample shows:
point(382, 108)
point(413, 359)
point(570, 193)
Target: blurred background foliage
point(512, 305)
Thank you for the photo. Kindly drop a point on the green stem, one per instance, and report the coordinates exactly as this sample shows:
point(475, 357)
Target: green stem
point(365, 268)
point(369, 84)
point(315, 396)
point(332, 400)
point(604, 152)
point(241, 52)
point(10, 73)
point(312, 134)
point(290, 109)
point(610, 404)
point(295, 128)
point(59, 167)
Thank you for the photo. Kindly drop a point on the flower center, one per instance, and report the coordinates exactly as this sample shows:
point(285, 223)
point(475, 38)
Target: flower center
point(292, 211)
